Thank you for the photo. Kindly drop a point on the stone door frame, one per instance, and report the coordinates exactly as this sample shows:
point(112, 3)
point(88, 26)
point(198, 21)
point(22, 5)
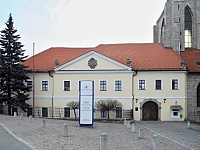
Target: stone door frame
point(150, 100)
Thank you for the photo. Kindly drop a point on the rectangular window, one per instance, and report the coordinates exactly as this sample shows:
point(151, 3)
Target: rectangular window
point(174, 84)
point(66, 112)
point(118, 112)
point(158, 84)
point(103, 113)
point(44, 85)
point(118, 85)
point(175, 113)
point(30, 85)
point(103, 86)
point(66, 85)
point(44, 112)
point(141, 84)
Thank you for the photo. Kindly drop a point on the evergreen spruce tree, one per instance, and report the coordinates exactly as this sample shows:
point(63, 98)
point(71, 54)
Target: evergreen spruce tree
point(13, 74)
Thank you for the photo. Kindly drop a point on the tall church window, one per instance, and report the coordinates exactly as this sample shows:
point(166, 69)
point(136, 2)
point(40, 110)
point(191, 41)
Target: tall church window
point(188, 27)
point(198, 95)
point(162, 30)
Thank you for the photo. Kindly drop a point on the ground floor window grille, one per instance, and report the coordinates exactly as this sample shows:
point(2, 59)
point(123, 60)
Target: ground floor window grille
point(103, 113)
point(66, 112)
point(44, 112)
point(118, 112)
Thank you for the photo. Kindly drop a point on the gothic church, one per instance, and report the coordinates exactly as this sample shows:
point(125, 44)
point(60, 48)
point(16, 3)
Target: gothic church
point(178, 28)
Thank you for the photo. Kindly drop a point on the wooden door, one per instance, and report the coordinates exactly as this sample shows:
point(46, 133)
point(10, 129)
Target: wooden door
point(150, 111)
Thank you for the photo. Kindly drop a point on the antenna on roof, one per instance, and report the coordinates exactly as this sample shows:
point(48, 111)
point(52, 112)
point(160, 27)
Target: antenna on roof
point(56, 63)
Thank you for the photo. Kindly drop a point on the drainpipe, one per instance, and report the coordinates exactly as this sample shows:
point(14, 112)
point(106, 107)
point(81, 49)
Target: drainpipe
point(134, 73)
point(51, 75)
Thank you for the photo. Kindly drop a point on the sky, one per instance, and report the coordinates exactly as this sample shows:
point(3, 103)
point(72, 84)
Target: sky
point(81, 23)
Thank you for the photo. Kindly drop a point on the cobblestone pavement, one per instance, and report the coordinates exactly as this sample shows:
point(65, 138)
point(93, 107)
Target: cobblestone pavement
point(176, 131)
point(172, 135)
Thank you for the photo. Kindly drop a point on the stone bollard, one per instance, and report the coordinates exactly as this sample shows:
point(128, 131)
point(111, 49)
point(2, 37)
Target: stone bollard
point(128, 125)
point(125, 122)
point(133, 128)
point(104, 142)
point(30, 118)
point(43, 123)
point(141, 133)
point(21, 116)
point(156, 143)
point(188, 125)
point(15, 114)
point(65, 130)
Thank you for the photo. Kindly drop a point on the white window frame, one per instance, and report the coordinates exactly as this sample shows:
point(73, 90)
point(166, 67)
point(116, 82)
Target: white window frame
point(178, 116)
point(161, 84)
point(31, 89)
point(47, 85)
point(121, 85)
point(64, 85)
point(100, 85)
point(144, 84)
point(178, 83)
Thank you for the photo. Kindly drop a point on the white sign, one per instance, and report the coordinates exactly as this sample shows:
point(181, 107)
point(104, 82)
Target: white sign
point(86, 102)
point(86, 110)
point(86, 88)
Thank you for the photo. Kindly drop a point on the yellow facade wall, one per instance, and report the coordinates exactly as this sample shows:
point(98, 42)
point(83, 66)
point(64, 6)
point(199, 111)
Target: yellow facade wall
point(166, 97)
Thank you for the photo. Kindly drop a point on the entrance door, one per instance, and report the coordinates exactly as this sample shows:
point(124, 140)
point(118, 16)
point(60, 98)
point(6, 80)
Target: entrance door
point(150, 111)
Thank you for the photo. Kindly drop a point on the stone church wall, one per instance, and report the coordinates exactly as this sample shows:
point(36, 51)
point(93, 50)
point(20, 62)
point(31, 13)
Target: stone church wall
point(171, 33)
point(193, 112)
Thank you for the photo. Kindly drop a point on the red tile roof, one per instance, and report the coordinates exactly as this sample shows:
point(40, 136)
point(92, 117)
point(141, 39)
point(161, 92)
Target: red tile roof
point(192, 58)
point(143, 56)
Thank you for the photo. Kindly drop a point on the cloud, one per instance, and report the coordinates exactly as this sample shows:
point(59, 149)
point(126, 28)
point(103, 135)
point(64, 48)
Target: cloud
point(84, 23)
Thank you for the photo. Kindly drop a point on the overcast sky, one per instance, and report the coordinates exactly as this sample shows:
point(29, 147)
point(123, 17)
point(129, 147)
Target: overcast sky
point(81, 23)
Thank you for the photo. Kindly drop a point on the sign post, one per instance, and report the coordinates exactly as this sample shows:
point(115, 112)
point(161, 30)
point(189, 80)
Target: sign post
point(86, 103)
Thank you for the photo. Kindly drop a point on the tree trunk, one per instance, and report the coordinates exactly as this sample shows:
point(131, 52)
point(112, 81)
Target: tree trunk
point(108, 115)
point(75, 113)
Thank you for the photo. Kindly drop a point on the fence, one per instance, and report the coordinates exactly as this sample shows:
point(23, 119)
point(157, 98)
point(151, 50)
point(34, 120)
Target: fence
point(67, 113)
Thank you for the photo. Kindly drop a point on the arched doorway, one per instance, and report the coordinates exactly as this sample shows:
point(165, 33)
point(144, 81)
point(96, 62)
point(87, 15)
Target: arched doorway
point(150, 111)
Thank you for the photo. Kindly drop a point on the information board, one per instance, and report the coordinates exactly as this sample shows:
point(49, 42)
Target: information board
point(86, 103)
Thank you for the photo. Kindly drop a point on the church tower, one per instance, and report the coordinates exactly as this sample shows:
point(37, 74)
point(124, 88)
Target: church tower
point(178, 27)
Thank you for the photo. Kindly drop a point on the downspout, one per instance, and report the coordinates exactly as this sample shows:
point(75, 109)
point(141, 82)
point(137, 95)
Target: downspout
point(51, 75)
point(134, 73)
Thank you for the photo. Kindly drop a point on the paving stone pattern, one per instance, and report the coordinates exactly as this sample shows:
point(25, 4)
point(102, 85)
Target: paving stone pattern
point(84, 138)
point(177, 132)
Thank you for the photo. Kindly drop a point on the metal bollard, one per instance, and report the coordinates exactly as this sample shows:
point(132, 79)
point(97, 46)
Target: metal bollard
point(104, 142)
point(43, 123)
point(141, 133)
point(15, 114)
point(125, 122)
point(156, 143)
point(21, 116)
point(30, 118)
point(128, 125)
point(65, 130)
point(188, 125)
point(133, 128)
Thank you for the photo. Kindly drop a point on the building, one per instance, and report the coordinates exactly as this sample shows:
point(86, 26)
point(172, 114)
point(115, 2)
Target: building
point(178, 28)
point(147, 78)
